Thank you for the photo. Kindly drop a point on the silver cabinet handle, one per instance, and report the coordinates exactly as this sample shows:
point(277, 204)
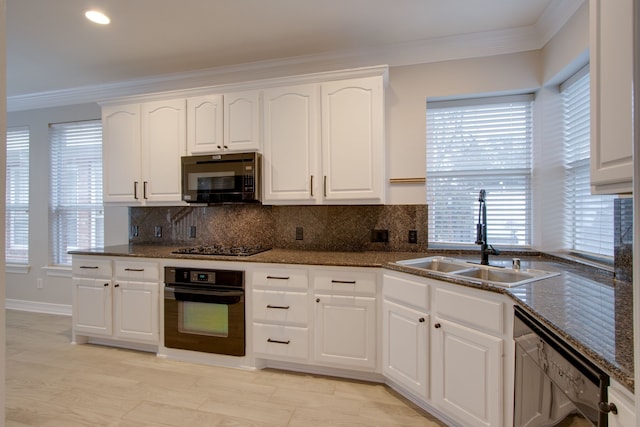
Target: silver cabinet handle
point(279, 307)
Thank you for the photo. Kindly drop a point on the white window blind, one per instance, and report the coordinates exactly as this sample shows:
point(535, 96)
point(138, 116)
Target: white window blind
point(76, 214)
point(475, 144)
point(588, 218)
point(17, 196)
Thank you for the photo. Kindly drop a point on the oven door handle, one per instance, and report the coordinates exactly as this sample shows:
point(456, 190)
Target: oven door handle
point(203, 295)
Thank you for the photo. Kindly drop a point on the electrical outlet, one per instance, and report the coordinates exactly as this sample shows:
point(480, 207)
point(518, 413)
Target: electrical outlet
point(413, 236)
point(381, 236)
point(299, 233)
point(135, 232)
point(192, 232)
point(157, 231)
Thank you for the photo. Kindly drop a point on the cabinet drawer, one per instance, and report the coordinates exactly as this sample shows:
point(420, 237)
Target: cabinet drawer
point(281, 278)
point(351, 282)
point(138, 270)
point(479, 313)
point(280, 306)
point(282, 341)
point(406, 291)
point(91, 267)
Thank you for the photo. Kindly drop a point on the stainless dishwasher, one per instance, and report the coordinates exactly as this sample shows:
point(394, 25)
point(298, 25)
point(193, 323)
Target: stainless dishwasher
point(554, 384)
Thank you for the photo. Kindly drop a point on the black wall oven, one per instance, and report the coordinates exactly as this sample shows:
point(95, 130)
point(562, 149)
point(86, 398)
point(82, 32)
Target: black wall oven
point(554, 384)
point(204, 310)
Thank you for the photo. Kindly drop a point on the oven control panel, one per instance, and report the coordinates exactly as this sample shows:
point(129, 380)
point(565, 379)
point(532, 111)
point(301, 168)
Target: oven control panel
point(202, 277)
point(193, 276)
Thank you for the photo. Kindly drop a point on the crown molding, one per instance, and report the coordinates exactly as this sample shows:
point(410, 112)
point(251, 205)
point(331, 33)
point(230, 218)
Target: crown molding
point(400, 54)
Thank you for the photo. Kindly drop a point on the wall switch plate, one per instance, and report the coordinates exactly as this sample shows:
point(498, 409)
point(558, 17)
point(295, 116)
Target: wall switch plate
point(157, 231)
point(381, 236)
point(39, 283)
point(413, 236)
point(192, 232)
point(299, 233)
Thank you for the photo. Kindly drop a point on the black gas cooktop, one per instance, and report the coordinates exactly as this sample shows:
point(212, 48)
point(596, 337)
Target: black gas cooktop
point(222, 250)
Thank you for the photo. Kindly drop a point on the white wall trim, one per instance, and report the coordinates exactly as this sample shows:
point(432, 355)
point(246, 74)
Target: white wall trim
point(398, 54)
point(17, 268)
point(57, 271)
point(38, 307)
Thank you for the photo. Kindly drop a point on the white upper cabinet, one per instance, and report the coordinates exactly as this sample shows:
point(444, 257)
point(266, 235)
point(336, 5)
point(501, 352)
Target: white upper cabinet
point(163, 143)
point(291, 143)
point(242, 121)
point(205, 124)
point(142, 146)
point(353, 140)
point(121, 152)
point(611, 69)
point(324, 143)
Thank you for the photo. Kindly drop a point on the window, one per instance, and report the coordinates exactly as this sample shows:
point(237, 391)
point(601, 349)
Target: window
point(588, 222)
point(475, 144)
point(17, 197)
point(76, 214)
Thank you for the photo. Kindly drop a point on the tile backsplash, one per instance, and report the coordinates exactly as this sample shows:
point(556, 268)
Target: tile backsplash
point(623, 238)
point(335, 228)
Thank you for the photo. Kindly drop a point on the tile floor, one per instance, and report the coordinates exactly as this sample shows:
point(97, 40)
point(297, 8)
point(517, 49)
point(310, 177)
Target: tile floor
point(53, 383)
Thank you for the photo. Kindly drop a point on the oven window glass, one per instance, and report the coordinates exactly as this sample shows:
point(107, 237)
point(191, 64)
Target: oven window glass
point(204, 318)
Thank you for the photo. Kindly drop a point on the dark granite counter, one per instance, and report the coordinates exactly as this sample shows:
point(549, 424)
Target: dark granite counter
point(584, 304)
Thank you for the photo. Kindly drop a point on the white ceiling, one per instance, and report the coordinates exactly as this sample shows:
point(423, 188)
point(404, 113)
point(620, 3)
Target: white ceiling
point(52, 47)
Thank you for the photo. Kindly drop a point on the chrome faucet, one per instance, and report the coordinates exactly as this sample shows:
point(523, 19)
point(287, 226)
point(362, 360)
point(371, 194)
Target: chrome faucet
point(481, 231)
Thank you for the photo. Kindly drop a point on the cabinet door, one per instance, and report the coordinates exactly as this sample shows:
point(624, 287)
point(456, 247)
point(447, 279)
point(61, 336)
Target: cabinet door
point(611, 68)
point(353, 140)
point(624, 402)
point(467, 371)
point(136, 311)
point(405, 347)
point(205, 124)
point(242, 121)
point(92, 306)
point(121, 153)
point(291, 138)
point(345, 331)
point(163, 143)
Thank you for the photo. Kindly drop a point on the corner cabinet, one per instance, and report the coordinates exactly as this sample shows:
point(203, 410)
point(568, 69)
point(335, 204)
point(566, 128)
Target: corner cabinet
point(142, 146)
point(611, 69)
point(461, 336)
point(324, 142)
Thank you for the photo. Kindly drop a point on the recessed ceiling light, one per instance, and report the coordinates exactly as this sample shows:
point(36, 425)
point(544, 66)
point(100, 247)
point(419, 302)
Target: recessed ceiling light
point(97, 17)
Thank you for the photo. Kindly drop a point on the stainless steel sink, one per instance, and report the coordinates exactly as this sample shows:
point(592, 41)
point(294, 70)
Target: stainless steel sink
point(456, 268)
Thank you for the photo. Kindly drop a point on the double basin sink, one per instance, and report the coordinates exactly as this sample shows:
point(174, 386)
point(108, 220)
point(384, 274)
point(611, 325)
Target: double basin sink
point(460, 269)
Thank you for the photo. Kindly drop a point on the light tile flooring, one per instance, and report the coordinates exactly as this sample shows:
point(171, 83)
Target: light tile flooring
point(53, 383)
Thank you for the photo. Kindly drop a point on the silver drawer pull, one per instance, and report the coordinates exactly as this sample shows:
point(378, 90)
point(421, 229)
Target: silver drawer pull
point(89, 267)
point(278, 341)
point(281, 307)
point(278, 277)
point(348, 282)
point(134, 269)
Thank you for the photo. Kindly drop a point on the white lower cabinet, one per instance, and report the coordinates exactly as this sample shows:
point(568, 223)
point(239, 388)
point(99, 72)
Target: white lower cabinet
point(112, 305)
point(448, 346)
point(467, 374)
point(280, 313)
point(623, 399)
point(345, 321)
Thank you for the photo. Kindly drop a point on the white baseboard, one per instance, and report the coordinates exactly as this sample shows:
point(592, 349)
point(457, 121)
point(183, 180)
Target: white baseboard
point(38, 307)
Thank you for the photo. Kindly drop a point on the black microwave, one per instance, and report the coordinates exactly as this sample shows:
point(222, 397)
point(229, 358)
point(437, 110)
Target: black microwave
point(222, 178)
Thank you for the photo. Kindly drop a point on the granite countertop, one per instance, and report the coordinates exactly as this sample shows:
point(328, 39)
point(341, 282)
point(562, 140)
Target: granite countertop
point(583, 304)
